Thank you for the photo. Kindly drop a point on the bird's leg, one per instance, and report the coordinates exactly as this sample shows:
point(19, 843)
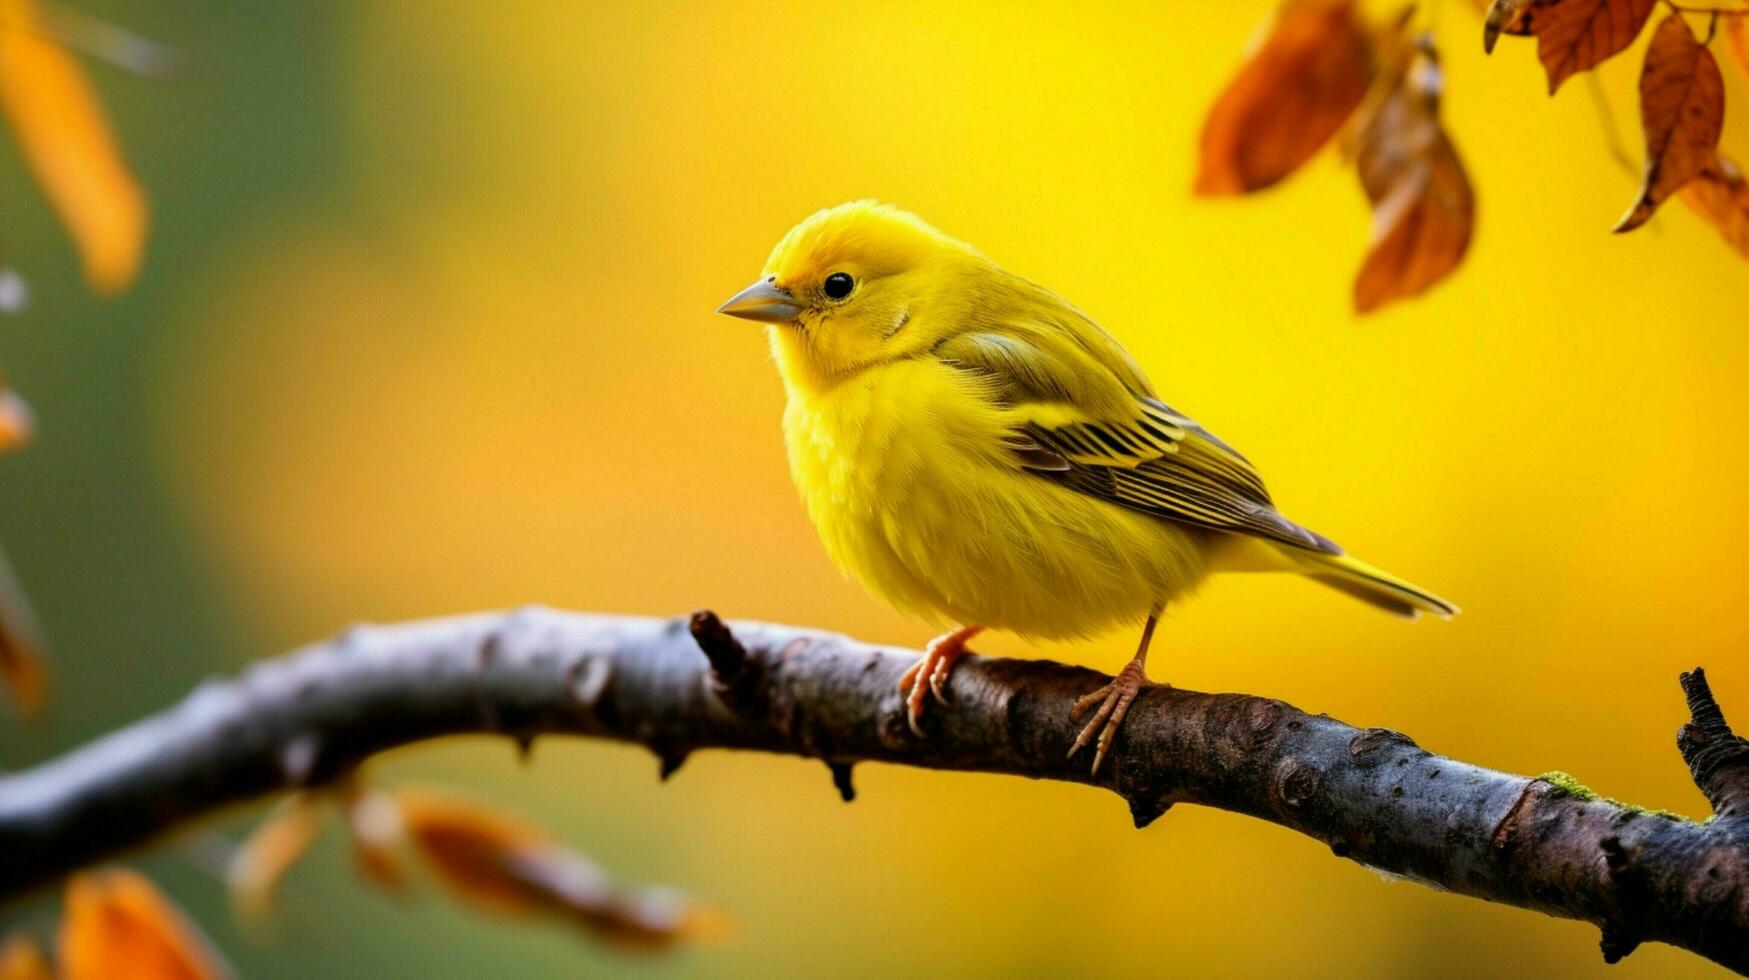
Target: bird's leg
point(1113, 700)
point(930, 672)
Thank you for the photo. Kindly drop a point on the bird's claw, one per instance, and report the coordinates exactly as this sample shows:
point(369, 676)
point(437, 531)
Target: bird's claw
point(1113, 701)
point(929, 676)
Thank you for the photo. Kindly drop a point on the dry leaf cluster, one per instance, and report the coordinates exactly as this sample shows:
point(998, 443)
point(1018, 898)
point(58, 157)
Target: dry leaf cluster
point(1322, 67)
point(1681, 90)
point(116, 924)
point(485, 856)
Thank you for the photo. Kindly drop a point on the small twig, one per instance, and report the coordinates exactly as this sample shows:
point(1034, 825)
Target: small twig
point(1718, 758)
point(1371, 795)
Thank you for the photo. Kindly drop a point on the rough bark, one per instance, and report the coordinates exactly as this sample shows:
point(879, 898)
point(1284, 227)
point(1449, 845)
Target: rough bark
point(1370, 794)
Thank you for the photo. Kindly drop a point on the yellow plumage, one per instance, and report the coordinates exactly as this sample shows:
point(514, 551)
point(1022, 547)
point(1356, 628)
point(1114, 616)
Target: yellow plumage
point(906, 474)
point(977, 451)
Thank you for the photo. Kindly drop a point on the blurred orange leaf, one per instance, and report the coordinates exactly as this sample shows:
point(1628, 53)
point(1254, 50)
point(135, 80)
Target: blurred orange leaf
point(22, 959)
point(117, 925)
point(1720, 194)
point(21, 646)
point(1574, 35)
point(282, 838)
point(1423, 206)
point(502, 863)
point(1295, 90)
point(17, 422)
point(66, 140)
point(1682, 109)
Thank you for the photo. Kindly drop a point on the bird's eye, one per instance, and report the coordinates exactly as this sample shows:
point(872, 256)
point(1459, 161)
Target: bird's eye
point(838, 285)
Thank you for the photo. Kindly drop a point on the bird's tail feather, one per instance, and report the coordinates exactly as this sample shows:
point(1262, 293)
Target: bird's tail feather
point(1373, 586)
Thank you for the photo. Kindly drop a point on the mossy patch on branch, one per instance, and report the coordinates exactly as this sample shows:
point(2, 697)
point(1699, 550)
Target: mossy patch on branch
point(1571, 786)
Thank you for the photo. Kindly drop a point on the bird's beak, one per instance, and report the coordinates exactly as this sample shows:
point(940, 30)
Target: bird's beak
point(764, 301)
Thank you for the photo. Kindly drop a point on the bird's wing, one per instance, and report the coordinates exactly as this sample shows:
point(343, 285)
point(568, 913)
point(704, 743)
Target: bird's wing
point(1086, 426)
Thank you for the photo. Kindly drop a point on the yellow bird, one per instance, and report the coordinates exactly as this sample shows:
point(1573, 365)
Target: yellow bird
point(980, 453)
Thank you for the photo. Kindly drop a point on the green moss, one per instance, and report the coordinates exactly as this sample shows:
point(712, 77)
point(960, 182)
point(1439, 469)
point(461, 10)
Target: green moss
point(1570, 786)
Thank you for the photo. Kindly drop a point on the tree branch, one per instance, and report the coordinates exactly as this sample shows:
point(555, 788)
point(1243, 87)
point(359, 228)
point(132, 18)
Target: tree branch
point(1371, 794)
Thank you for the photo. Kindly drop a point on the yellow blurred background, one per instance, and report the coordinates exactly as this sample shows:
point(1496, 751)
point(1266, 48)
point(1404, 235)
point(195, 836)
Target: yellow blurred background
point(444, 340)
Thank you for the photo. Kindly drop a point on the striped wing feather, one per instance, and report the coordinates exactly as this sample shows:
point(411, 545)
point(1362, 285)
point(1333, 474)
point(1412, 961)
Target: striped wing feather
point(1091, 430)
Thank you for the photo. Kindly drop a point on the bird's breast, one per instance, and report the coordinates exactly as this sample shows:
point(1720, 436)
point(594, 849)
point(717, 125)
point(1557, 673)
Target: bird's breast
point(904, 473)
point(876, 458)
point(855, 445)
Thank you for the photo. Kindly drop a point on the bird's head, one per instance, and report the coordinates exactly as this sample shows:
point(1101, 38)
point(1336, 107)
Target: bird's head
point(853, 286)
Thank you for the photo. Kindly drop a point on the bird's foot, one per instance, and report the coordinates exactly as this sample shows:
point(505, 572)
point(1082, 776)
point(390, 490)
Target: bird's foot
point(1113, 701)
point(929, 674)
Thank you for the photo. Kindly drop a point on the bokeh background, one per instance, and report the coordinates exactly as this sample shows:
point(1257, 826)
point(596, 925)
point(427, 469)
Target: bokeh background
point(426, 326)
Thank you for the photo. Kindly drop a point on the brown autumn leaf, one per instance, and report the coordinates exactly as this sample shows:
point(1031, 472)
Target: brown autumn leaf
point(116, 924)
point(502, 863)
point(1682, 110)
point(1423, 207)
point(66, 140)
point(1575, 35)
point(22, 959)
point(1720, 194)
point(270, 851)
point(1295, 90)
